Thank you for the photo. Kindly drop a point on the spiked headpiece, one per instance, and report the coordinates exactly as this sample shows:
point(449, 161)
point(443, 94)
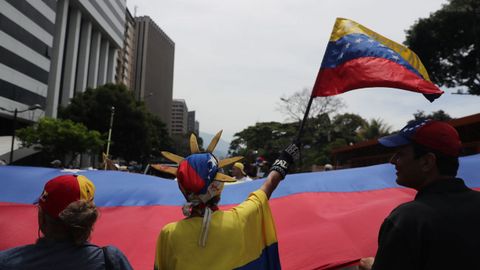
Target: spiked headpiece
point(199, 179)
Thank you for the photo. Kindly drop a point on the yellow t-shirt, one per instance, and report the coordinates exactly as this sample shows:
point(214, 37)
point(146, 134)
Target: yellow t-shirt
point(243, 237)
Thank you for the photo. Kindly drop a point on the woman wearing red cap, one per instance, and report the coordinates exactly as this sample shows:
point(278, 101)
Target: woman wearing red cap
point(66, 215)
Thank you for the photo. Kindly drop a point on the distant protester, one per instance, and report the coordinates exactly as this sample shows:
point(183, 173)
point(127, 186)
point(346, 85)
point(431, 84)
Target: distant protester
point(66, 215)
point(328, 167)
point(56, 163)
point(238, 172)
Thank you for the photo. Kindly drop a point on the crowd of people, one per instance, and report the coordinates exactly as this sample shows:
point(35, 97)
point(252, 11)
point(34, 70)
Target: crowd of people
point(437, 230)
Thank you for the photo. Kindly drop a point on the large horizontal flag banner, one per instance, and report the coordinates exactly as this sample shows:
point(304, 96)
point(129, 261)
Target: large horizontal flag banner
point(357, 57)
point(324, 220)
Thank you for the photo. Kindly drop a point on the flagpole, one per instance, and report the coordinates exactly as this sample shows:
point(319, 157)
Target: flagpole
point(305, 117)
point(300, 131)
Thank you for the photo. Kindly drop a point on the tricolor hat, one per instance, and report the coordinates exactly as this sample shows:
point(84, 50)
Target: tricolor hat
point(62, 190)
point(196, 172)
point(200, 163)
point(435, 135)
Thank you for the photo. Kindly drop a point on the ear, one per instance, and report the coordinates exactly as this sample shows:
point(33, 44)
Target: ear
point(429, 162)
point(41, 221)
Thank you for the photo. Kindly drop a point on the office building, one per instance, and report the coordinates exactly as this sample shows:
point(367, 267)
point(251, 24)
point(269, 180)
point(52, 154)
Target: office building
point(26, 39)
point(87, 36)
point(192, 124)
point(52, 49)
point(153, 79)
point(179, 117)
point(126, 56)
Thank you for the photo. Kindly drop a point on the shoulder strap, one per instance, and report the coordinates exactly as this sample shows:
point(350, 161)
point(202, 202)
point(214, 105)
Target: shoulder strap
point(108, 262)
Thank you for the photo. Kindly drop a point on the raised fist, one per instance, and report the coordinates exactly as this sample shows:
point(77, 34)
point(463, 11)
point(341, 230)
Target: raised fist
point(287, 157)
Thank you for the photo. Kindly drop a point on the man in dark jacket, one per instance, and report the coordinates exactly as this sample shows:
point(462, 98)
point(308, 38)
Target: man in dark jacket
point(439, 229)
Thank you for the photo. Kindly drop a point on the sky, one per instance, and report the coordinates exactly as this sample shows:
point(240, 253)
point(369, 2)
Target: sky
point(234, 59)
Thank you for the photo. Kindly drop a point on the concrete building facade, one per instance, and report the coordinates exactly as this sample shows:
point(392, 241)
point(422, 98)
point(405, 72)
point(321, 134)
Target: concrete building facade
point(88, 34)
point(126, 56)
point(50, 50)
point(179, 117)
point(192, 124)
point(154, 62)
point(27, 31)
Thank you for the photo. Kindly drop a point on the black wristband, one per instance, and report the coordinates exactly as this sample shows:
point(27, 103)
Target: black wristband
point(280, 166)
point(288, 156)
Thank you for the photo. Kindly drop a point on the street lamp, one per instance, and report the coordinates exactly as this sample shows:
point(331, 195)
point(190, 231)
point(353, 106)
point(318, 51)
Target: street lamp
point(110, 133)
point(15, 112)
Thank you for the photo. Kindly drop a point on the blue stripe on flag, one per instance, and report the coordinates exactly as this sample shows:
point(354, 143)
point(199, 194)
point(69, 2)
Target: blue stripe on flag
point(354, 46)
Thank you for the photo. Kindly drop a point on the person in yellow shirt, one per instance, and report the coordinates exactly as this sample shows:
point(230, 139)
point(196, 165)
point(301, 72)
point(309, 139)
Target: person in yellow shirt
point(243, 237)
point(238, 172)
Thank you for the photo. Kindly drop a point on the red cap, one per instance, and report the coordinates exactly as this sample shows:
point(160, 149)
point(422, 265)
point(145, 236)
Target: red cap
point(62, 190)
point(435, 135)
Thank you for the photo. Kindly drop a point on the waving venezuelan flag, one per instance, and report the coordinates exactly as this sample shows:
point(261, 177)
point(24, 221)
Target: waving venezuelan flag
point(323, 220)
point(357, 57)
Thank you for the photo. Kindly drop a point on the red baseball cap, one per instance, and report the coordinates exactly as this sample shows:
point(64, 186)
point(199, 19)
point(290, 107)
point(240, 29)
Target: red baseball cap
point(435, 135)
point(62, 190)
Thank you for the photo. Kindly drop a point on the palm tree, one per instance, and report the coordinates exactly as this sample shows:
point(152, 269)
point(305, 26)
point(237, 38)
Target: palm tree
point(373, 129)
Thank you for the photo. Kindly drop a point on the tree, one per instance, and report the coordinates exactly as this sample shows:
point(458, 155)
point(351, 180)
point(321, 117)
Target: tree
point(137, 134)
point(448, 42)
point(348, 126)
point(373, 129)
point(158, 138)
point(439, 115)
point(56, 138)
point(320, 136)
point(263, 139)
point(294, 106)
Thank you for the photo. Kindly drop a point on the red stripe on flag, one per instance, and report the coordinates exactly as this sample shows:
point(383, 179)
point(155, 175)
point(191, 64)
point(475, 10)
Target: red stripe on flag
point(324, 230)
point(369, 72)
point(318, 230)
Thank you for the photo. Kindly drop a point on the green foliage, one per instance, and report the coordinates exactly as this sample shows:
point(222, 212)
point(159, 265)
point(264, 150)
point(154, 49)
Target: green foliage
point(56, 138)
point(448, 43)
point(373, 129)
point(136, 133)
point(347, 126)
point(439, 115)
point(264, 139)
point(321, 135)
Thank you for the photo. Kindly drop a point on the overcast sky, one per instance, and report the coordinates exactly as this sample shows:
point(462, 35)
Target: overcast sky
point(234, 59)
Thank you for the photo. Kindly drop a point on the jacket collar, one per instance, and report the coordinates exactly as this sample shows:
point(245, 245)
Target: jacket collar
point(444, 185)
